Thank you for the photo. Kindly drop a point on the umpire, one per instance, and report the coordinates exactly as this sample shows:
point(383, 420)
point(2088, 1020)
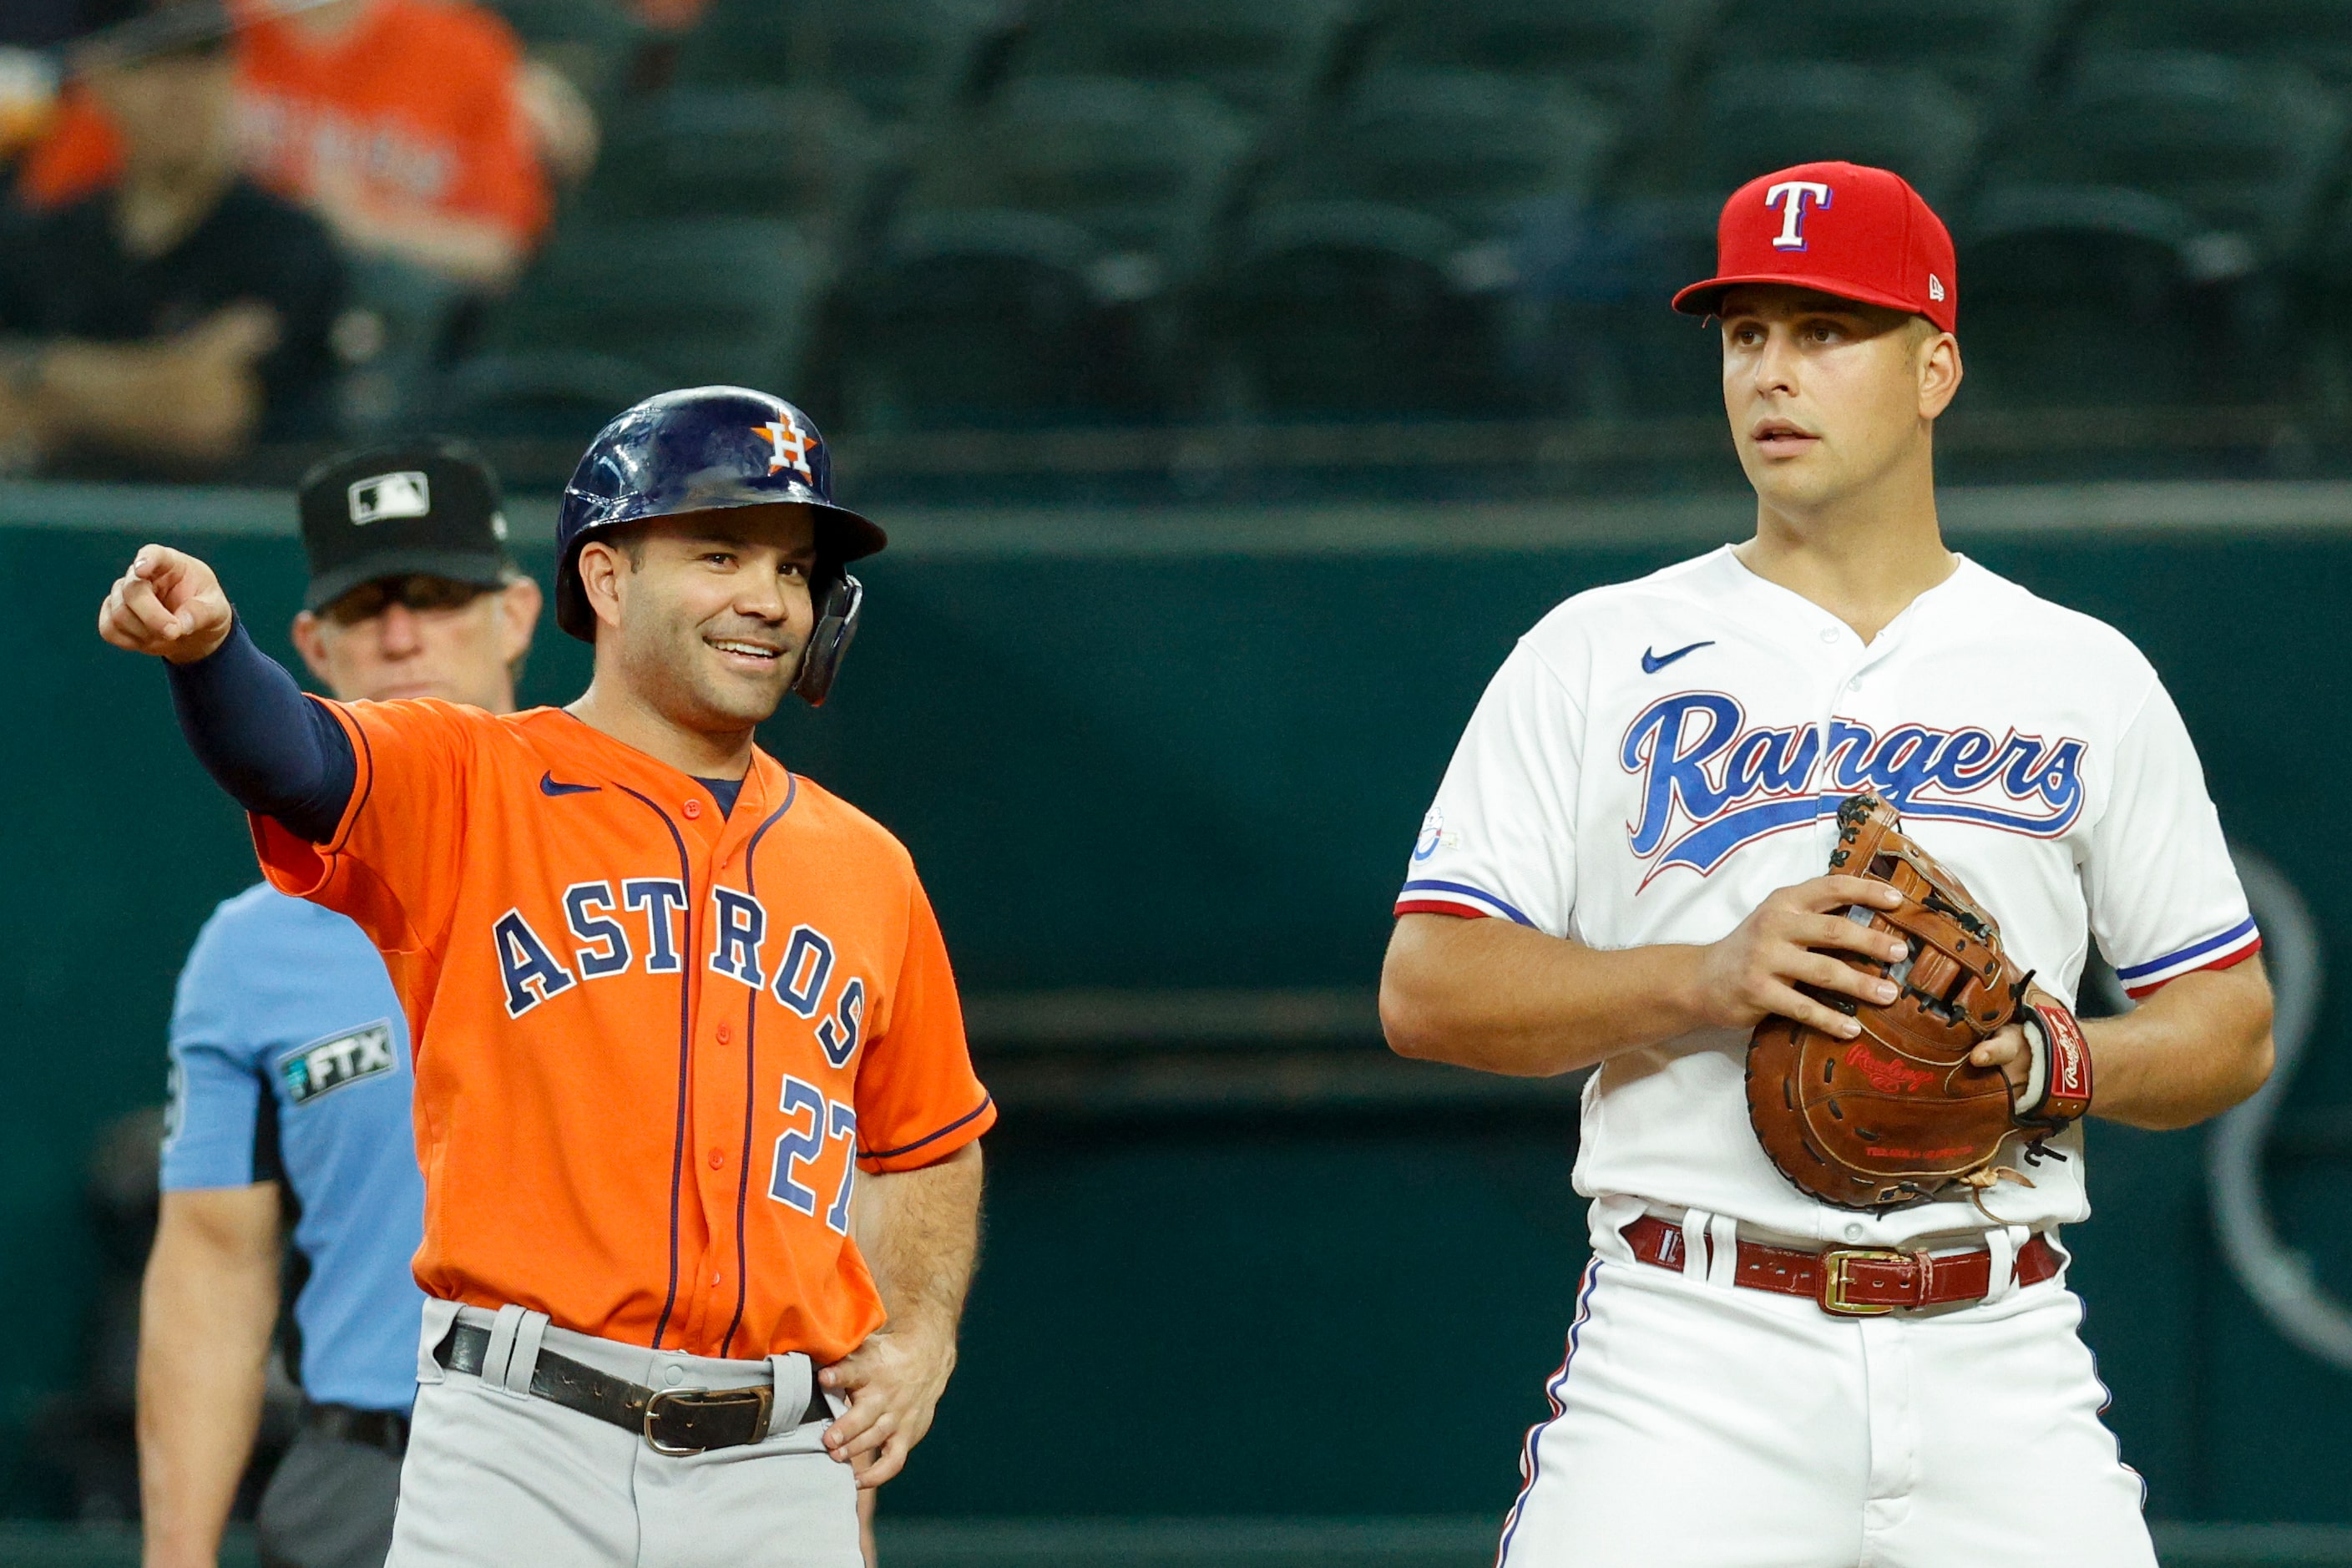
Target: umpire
point(290, 1073)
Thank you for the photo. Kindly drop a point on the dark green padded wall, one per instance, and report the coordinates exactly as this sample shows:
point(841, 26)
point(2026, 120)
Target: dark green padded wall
point(1206, 772)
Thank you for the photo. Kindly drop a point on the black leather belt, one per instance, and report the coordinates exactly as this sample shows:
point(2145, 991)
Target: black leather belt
point(671, 1420)
point(384, 1429)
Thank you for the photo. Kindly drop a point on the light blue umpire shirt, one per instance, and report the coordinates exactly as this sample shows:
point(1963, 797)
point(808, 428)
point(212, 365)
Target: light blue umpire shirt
point(291, 1061)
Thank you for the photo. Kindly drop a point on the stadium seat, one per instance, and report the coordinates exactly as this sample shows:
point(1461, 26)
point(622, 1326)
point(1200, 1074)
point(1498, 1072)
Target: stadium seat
point(1625, 52)
point(1030, 267)
point(391, 337)
point(1602, 340)
point(2247, 148)
point(615, 309)
point(1748, 122)
point(1468, 146)
point(2096, 297)
point(1258, 54)
point(590, 41)
point(900, 60)
point(1375, 273)
point(1988, 49)
point(1346, 309)
point(2315, 34)
point(758, 151)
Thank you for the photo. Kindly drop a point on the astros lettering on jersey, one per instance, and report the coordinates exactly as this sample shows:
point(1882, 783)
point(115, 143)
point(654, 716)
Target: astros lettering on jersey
point(653, 1043)
point(1657, 757)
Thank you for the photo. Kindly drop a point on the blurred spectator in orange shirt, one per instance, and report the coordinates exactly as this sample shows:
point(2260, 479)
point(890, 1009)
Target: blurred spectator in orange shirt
point(402, 123)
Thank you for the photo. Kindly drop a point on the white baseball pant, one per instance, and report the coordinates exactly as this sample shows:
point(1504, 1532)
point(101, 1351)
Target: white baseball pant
point(1698, 1424)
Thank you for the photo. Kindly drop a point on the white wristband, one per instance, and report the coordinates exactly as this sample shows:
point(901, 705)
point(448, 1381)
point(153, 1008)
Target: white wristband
point(2037, 1074)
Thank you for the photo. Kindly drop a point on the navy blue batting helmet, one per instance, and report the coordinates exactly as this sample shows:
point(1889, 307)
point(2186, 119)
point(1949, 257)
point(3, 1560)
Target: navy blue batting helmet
point(711, 446)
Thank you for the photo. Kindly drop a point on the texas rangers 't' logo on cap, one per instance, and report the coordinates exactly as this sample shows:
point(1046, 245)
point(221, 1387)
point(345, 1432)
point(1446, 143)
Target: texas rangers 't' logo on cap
point(1791, 196)
point(1844, 229)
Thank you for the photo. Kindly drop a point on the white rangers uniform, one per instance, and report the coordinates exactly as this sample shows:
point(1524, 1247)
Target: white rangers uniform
point(1651, 761)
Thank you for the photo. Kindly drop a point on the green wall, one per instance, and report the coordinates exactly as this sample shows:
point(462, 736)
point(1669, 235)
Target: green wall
point(1178, 770)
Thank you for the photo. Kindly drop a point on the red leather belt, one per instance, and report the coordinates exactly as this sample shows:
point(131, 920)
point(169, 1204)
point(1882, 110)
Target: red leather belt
point(1852, 1281)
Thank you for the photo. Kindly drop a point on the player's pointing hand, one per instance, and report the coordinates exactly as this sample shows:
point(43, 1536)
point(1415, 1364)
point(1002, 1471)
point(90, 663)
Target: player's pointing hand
point(1788, 942)
point(168, 604)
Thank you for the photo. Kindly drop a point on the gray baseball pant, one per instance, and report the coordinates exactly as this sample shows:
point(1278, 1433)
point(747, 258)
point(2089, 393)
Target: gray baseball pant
point(496, 1477)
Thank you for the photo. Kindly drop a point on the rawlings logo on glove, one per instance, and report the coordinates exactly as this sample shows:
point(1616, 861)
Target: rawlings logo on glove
point(1900, 1115)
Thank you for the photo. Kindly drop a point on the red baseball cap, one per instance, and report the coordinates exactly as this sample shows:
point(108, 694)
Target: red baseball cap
point(1843, 228)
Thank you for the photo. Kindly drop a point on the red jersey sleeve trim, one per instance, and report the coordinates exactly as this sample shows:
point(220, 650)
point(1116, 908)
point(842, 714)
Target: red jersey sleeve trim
point(1441, 907)
point(2227, 960)
point(933, 1147)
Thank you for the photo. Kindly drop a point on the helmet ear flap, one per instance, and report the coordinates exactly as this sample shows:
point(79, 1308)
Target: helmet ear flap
point(837, 623)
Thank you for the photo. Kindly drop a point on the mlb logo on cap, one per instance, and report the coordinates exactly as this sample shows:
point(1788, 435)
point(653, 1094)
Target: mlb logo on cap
point(1845, 230)
point(404, 494)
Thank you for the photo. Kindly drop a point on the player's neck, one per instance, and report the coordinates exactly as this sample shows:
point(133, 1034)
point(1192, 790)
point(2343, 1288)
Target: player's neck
point(1863, 557)
point(638, 724)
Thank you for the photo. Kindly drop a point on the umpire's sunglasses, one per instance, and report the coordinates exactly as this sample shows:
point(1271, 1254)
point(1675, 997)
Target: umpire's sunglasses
point(417, 591)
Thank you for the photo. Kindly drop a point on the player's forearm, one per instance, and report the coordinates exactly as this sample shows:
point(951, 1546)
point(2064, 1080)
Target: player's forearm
point(207, 1311)
point(2190, 1051)
point(1501, 998)
point(277, 752)
point(919, 1233)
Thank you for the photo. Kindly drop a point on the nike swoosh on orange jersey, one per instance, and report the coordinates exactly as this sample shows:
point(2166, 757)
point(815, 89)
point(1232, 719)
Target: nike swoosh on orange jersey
point(547, 786)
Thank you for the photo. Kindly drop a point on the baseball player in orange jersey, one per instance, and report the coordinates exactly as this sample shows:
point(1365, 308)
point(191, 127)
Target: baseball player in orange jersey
point(670, 1002)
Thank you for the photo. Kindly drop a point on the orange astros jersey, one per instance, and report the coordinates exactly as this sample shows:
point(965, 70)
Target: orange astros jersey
point(654, 1044)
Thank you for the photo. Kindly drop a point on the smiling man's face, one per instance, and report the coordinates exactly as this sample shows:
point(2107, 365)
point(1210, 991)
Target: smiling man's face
point(1826, 395)
point(714, 610)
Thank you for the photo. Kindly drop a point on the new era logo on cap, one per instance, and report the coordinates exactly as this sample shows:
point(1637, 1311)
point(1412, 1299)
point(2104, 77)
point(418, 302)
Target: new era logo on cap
point(404, 494)
point(1844, 229)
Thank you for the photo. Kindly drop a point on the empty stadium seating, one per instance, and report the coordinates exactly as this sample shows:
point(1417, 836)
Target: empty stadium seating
point(1258, 54)
point(2315, 34)
point(1988, 49)
point(1373, 275)
point(2248, 148)
point(1022, 212)
point(1748, 121)
point(615, 313)
point(1630, 52)
point(900, 60)
point(1069, 213)
point(805, 155)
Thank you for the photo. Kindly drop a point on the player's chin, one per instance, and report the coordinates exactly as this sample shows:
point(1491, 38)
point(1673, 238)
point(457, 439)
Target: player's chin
point(730, 689)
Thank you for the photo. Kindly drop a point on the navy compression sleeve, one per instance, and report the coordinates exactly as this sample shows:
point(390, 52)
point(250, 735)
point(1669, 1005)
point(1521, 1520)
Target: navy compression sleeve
point(277, 752)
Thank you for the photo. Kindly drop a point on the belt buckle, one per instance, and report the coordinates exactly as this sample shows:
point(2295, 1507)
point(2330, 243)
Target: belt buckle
point(761, 1400)
point(1835, 1283)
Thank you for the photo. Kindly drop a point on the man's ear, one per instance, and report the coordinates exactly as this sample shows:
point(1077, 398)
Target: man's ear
point(311, 642)
point(600, 568)
point(519, 606)
point(1939, 374)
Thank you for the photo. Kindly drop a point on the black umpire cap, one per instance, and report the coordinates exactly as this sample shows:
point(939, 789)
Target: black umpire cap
point(422, 508)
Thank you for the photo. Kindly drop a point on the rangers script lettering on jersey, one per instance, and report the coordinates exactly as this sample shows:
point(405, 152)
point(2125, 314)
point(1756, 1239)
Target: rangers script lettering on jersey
point(654, 1042)
point(1657, 757)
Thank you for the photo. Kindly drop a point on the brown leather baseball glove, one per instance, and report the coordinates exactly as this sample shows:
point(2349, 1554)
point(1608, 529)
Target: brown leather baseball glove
point(1897, 1115)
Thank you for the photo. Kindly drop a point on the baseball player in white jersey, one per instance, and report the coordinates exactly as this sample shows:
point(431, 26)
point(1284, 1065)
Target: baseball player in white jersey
point(1624, 869)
